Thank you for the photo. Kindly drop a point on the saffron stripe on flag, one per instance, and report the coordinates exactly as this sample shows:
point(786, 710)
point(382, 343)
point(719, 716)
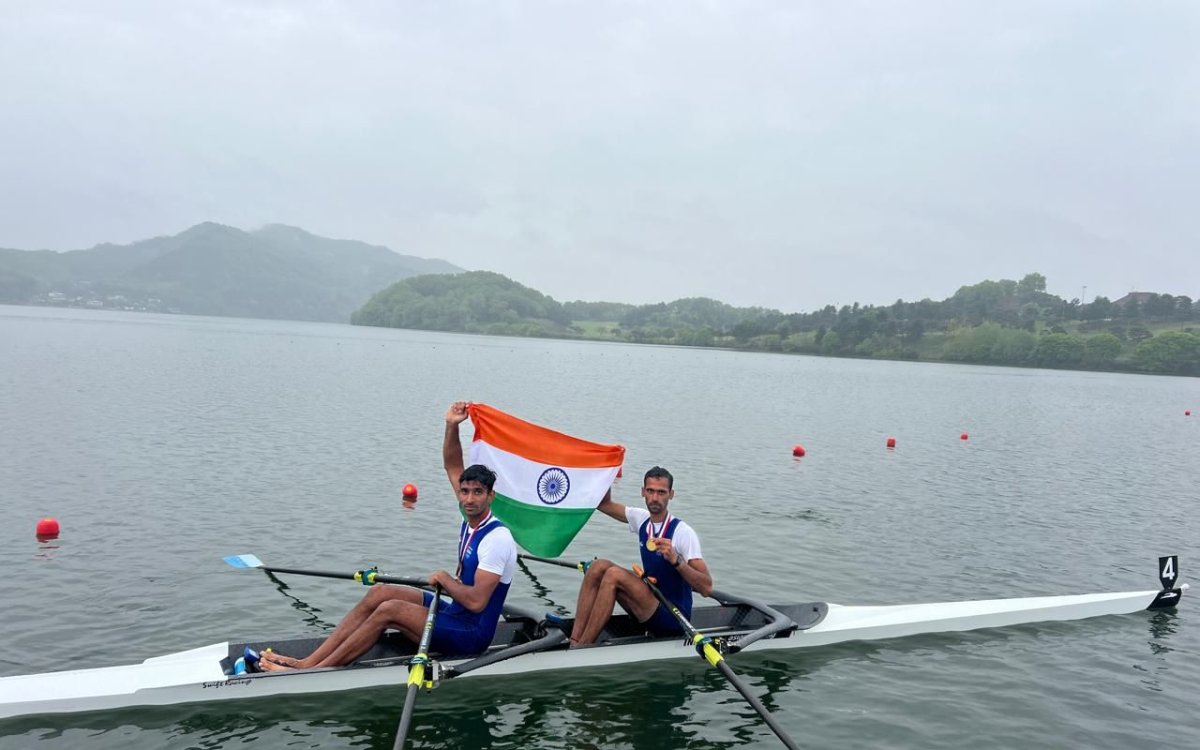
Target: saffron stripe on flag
point(537, 443)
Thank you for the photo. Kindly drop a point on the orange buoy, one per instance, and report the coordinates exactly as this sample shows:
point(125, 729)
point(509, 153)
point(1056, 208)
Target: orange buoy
point(409, 492)
point(798, 451)
point(891, 442)
point(47, 528)
point(964, 436)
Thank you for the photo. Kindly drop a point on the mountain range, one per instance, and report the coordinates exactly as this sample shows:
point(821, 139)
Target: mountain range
point(277, 271)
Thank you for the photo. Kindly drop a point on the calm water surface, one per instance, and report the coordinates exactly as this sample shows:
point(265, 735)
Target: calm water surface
point(164, 443)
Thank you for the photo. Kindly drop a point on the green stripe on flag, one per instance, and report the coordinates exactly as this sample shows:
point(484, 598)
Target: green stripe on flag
point(540, 530)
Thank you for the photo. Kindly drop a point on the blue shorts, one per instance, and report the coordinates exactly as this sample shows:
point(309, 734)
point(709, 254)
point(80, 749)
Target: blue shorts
point(662, 622)
point(456, 631)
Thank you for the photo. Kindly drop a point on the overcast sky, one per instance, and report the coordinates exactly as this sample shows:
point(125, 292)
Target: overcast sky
point(787, 154)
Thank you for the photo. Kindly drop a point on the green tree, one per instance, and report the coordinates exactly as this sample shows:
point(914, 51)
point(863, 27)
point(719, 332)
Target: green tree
point(1059, 350)
point(1183, 308)
point(1174, 352)
point(1159, 307)
point(987, 300)
point(1031, 284)
point(1099, 309)
point(1101, 350)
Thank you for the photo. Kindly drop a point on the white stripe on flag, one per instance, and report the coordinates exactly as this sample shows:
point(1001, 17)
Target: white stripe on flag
point(518, 478)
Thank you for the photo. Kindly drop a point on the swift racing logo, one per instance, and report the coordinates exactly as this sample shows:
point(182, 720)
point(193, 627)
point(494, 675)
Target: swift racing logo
point(226, 683)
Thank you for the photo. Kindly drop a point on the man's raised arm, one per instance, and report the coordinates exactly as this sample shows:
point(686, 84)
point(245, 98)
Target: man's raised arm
point(611, 509)
point(452, 453)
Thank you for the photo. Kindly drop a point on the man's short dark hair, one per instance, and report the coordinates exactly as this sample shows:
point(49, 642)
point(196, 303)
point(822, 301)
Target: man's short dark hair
point(478, 473)
point(659, 472)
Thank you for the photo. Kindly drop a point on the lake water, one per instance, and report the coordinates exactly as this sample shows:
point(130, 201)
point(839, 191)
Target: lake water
point(163, 443)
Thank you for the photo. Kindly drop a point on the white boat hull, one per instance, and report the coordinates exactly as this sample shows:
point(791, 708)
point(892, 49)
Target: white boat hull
point(197, 675)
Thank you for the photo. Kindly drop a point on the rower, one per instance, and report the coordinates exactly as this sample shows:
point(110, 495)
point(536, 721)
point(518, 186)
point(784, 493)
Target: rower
point(487, 559)
point(670, 553)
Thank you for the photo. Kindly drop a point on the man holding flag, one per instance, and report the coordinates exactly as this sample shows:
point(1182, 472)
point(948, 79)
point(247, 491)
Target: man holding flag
point(670, 552)
point(487, 559)
point(547, 486)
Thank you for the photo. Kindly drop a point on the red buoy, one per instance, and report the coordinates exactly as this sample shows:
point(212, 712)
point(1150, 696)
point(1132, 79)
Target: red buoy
point(1187, 412)
point(891, 442)
point(409, 491)
point(798, 451)
point(47, 528)
point(963, 436)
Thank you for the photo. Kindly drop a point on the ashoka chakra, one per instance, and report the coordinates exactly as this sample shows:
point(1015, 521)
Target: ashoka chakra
point(553, 486)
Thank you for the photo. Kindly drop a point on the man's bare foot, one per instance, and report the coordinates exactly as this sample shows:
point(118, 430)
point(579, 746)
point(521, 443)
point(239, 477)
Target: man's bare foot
point(270, 666)
point(274, 659)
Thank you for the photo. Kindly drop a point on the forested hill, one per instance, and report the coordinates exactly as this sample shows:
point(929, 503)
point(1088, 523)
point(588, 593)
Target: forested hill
point(211, 269)
point(472, 302)
point(1002, 322)
point(486, 302)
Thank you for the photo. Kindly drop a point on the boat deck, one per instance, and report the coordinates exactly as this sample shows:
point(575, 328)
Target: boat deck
point(622, 629)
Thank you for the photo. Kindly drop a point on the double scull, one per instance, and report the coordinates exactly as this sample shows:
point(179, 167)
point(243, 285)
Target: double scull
point(527, 642)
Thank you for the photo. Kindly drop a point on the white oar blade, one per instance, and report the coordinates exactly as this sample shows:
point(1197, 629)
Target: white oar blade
point(244, 561)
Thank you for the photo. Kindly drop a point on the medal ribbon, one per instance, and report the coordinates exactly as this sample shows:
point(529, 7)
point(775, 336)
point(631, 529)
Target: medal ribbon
point(464, 540)
point(651, 537)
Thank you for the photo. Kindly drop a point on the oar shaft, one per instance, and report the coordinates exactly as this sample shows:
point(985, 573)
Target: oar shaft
point(375, 577)
point(710, 653)
point(581, 566)
point(410, 702)
point(756, 704)
point(416, 670)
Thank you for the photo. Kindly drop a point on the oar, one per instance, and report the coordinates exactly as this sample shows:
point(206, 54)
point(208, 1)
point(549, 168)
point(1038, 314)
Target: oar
point(416, 671)
point(367, 577)
point(581, 566)
point(707, 649)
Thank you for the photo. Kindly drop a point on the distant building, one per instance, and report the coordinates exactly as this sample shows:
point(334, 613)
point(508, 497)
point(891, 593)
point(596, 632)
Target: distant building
point(1138, 297)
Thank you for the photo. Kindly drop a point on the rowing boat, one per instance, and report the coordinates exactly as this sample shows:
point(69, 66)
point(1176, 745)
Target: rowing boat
point(526, 642)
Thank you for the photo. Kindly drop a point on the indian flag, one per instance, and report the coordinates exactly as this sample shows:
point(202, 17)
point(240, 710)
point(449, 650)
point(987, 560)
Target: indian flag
point(547, 483)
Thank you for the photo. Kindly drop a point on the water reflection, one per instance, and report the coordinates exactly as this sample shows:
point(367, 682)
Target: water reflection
point(46, 548)
point(1163, 623)
point(311, 613)
point(540, 590)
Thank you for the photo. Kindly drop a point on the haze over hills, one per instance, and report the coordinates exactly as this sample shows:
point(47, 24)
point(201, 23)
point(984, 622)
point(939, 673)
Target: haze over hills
point(277, 271)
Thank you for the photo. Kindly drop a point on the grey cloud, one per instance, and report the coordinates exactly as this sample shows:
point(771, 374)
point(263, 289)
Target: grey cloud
point(782, 154)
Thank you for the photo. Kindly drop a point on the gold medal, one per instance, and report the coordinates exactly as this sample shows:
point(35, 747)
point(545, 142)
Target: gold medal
point(651, 544)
